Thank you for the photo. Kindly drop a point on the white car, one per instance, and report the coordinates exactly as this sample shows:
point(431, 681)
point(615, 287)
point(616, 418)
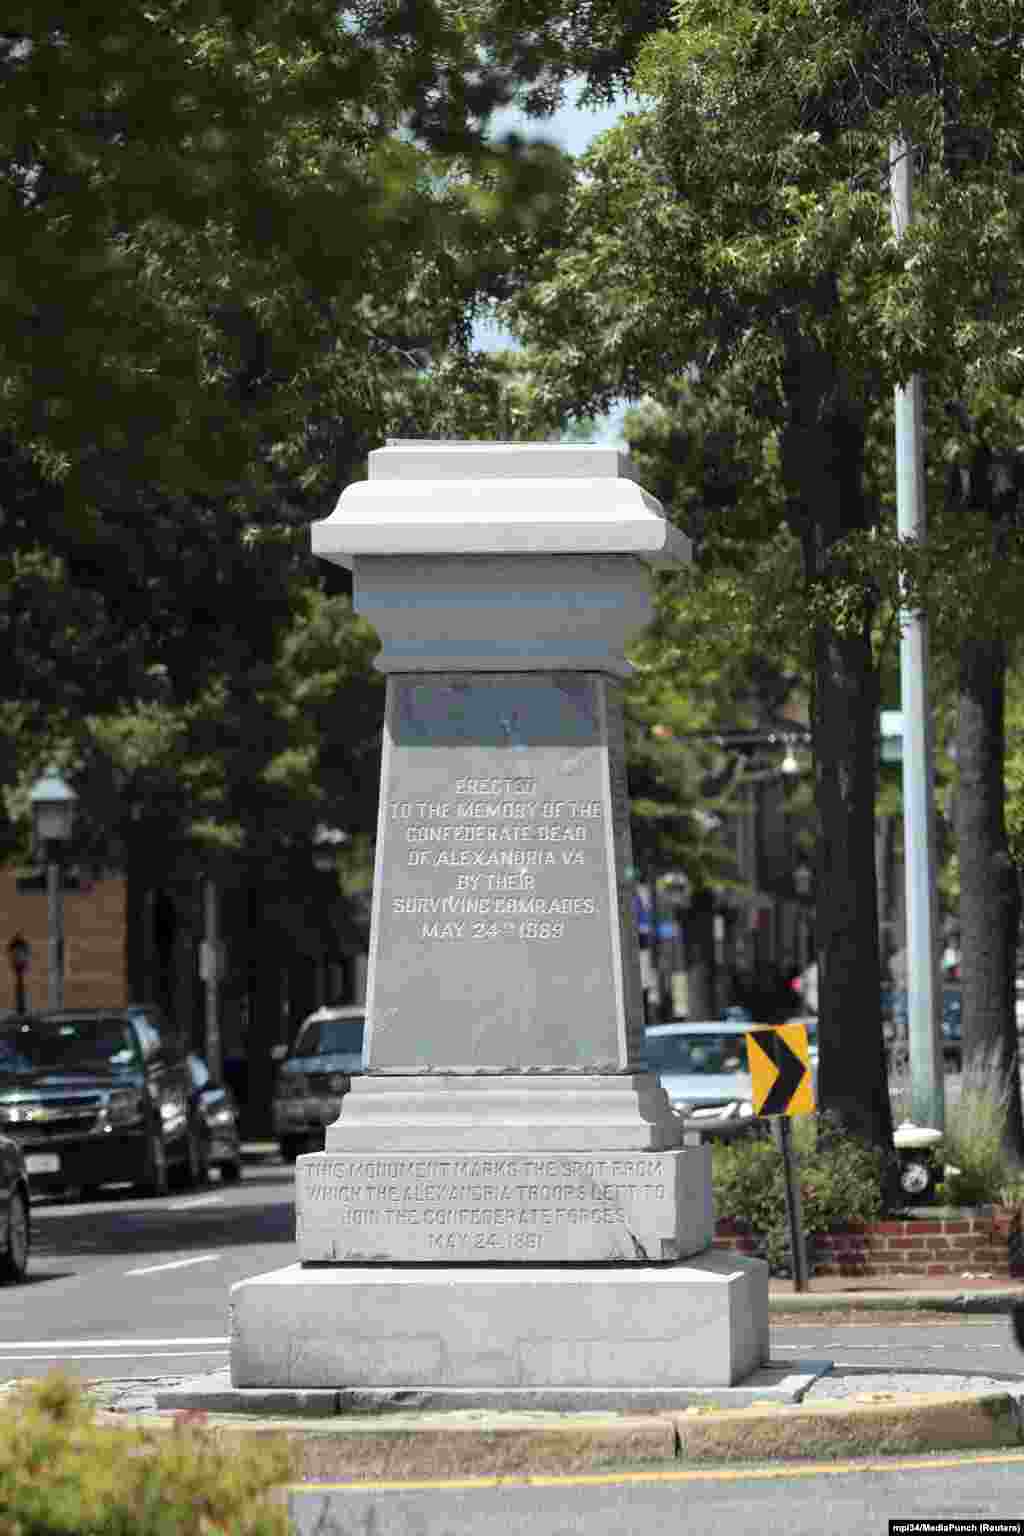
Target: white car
point(703, 1069)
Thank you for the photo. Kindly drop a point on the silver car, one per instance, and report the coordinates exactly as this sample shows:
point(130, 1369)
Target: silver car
point(703, 1069)
point(314, 1076)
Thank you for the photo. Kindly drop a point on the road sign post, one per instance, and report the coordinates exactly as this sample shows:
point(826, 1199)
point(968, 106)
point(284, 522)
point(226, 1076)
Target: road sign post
point(781, 1086)
point(794, 1215)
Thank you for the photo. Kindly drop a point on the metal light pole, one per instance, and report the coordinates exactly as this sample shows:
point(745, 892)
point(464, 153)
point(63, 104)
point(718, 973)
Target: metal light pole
point(211, 964)
point(927, 1088)
point(53, 815)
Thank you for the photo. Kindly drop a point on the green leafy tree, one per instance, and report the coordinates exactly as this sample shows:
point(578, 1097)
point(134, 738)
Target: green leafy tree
point(186, 186)
point(740, 225)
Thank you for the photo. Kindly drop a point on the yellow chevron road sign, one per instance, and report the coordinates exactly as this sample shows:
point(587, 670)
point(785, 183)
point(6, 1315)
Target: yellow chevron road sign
point(780, 1070)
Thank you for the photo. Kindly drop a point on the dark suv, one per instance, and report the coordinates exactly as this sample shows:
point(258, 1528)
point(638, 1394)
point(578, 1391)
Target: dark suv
point(97, 1096)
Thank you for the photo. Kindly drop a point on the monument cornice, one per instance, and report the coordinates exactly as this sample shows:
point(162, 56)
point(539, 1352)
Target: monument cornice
point(498, 499)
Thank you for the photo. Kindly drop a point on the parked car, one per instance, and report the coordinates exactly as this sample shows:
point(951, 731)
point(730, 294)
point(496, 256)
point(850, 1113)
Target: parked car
point(314, 1077)
point(15, 1220)
point(703, 1069)
point(216, 1117)
point(98, 1096)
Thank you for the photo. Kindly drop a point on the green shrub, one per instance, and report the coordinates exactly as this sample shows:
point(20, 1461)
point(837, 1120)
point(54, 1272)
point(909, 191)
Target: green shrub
point(974, 1141)
point(840, 1182)
point(63, 1474)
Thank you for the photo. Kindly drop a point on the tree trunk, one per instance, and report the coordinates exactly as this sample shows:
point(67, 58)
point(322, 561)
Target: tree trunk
point(990, 904)
point(822, 457)
point(700, 955)
point(852, 1077)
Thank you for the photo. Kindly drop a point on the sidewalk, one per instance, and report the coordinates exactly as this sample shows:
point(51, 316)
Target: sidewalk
point(930, 1293)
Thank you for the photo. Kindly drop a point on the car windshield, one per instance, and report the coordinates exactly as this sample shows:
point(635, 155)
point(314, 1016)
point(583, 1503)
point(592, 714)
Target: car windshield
point(696, 1055)
point(67, 1045)
point(329, 1037)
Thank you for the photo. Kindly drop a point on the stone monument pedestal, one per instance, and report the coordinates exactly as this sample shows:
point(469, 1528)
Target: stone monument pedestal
point(574, 1334)
point(503, 1204)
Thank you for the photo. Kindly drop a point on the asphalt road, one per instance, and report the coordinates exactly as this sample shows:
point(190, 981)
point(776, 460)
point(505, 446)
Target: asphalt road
point(127, 1287)
point(857, 1499)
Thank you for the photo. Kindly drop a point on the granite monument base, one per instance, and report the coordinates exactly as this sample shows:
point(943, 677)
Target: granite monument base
point(702, 1323)
point(432, 1207)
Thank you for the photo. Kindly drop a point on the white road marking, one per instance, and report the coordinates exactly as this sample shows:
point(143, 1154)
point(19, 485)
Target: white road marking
point(155, 1269)
point(156, 1354)
point(193, 1204)
point(111, 1343)
point(799, 1349)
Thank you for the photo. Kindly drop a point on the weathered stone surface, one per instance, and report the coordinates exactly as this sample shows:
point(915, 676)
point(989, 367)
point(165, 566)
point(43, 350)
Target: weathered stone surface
point(502, 932)
point(703, 1323)
point(528, 1112)
point(481, 1207)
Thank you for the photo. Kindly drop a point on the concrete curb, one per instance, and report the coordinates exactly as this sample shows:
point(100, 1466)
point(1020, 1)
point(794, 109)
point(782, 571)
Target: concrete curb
point(485, 1444)
point(867, 1426)
point(992, 1302)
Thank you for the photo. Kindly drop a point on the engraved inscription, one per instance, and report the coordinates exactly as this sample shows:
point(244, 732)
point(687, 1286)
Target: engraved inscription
point(495, 1203)
point(510, 838)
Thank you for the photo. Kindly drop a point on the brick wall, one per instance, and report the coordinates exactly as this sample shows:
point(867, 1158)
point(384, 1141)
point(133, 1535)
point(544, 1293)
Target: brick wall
point(94, 919)
point(939, 1245)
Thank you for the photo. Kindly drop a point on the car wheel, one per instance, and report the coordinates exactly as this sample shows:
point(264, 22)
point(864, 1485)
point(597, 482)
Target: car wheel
point(230, 1173)
point(14, 1262)
point(155, 1181)
point(291, 1146)
point(194, 1171)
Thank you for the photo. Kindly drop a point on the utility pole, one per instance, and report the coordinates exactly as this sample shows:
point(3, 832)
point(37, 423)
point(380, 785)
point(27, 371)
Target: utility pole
point(927, 1088)
point(210, 967)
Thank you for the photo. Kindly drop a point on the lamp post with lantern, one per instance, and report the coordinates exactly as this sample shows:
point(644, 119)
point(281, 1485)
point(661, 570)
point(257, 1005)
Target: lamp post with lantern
point(53, 815)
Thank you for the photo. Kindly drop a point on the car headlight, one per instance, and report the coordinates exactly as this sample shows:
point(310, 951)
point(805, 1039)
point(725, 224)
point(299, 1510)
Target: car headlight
point(220, 1117)
point(292, 1086)
point(746, 1110)
point(123, 1107)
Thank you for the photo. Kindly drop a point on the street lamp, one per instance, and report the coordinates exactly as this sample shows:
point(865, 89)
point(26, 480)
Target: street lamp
point(326, 842)
point(18, 951)
point(53, 815)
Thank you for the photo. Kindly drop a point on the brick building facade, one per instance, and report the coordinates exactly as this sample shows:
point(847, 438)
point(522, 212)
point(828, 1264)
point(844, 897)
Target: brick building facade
point(94, 928)
point(282, 957)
